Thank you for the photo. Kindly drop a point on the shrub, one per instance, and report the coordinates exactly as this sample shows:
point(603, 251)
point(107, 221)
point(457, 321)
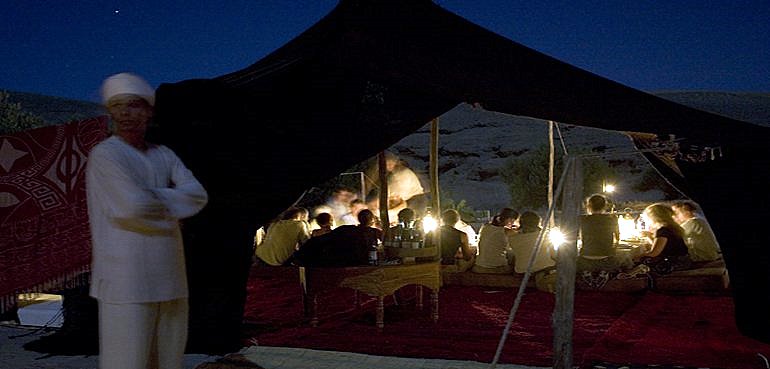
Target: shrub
point(467, 213)
point(527, 177)
point(14, 119)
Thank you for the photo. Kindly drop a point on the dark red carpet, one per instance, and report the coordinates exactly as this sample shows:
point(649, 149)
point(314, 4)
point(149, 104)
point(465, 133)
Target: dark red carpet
point(640, 328)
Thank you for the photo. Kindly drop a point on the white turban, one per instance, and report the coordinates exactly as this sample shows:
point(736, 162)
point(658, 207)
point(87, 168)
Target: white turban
point(127, 83)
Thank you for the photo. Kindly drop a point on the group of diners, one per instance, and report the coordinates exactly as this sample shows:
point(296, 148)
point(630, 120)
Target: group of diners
point(506, 244)
point(289, 240)
point(676, 239)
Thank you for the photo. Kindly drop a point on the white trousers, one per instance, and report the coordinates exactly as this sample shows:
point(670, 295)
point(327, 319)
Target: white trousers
point(142, 336)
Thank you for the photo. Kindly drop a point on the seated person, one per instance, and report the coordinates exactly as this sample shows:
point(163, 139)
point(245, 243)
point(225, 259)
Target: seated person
point(600, 236)
point(405, 219)
point(493, 255)
point(284, 237)
point(325, 222)
point(372, 202)
point(346, 245)
point(469, 231)
point(668, 251)
point(524, 242)
point(700, 240)
point(366, 227)
point(454, 243)
point(351, 218)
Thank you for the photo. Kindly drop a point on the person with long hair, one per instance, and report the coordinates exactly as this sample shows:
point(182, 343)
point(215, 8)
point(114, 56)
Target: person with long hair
point(494, 251)
point(668, 251)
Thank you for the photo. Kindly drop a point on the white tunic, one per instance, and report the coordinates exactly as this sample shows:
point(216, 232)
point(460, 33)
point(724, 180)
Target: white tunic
point(135, 201)
point(468, 229)
point(404, 184)
point(493, 246)
point(522, 245)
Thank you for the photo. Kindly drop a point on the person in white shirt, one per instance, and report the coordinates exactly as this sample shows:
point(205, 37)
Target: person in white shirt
point(493, 255)
point(468, 229)
point(403, 184)
point(404, 188)
point(351, 218)
point(701, 243)
point(523, 242)
point(339, 202)
point(137, 192)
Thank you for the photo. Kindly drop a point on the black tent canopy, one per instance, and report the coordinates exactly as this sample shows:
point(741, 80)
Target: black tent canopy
point(374, 71)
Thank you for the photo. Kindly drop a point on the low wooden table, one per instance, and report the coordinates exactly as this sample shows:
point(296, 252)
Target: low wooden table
point(378, 281)
point(631, 250)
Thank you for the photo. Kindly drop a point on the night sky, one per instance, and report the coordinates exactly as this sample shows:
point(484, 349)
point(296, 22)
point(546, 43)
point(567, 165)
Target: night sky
point(66, 48)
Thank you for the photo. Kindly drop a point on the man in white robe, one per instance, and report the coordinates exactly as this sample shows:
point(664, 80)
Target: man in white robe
point(137, 192)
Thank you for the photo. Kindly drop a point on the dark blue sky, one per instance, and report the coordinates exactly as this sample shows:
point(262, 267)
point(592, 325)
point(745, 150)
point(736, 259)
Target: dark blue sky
point(66, 48)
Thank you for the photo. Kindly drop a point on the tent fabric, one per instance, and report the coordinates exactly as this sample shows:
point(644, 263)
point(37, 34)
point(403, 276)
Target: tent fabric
point(45, 242)
point(372, 72)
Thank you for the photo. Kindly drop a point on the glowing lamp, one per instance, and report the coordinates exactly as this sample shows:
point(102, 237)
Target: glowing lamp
point(556, 237)
point(627, 227)
point(429, 223)
point(608, 188)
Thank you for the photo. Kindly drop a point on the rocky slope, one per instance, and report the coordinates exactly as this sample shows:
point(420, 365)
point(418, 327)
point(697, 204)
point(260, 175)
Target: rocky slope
point(476, 144)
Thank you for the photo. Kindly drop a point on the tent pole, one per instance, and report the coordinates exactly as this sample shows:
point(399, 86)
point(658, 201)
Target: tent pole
point(383, 174)
point(550, 221)
point(528, 273)
point(563, 313)
point(361, 177)
point(435, 203)
point(434, 191)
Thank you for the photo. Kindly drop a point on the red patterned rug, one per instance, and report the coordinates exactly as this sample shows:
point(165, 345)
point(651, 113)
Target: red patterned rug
point(44, 236)
point(691, 330)
point(610, 329)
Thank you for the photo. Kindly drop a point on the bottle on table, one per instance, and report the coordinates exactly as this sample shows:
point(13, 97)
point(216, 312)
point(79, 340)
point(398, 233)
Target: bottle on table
point(417, 240)
point(373, 254)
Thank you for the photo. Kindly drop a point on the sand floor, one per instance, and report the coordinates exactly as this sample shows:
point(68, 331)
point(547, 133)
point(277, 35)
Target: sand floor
point(13, 355)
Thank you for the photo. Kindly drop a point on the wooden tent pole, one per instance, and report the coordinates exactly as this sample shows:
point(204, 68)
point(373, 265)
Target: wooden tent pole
point(383, 174)
point(565, 266)
point(551, 159)
point(434, 191)
point(362, 178)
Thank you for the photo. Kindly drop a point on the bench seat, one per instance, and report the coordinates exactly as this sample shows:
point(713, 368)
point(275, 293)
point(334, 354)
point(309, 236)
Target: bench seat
point(450, 276)
point(701, 279)
point(711, 276)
